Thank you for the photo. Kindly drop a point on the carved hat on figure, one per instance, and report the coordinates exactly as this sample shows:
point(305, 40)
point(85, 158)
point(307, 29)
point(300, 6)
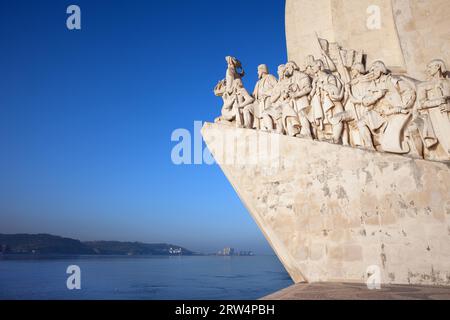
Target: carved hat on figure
point(436, 65)
point(378, 68)
point(262, 69)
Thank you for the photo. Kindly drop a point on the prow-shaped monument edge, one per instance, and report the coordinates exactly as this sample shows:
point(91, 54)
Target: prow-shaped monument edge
point(352, 182)
point(335, 213)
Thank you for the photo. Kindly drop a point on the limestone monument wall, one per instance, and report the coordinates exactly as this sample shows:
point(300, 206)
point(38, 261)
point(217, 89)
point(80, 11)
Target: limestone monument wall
point(331, 212)
point(411, 33)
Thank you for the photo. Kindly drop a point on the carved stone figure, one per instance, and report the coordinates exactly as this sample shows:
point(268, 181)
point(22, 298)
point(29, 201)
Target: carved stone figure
point(234, 71)
point(227, 114)
point(433, 109)
point(272, 117)
point(233, 102)
point(296, 88)
point(235, 97)
point(334, 99)
point(388, 101)
point(263, 89)
point(326, 101)
point(354, 93)
point(308, 65)
point(240, 100)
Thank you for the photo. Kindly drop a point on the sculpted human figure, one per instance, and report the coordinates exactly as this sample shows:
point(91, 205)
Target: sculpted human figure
point(326, 101)
point(235, 97)
point(309, 65)
point(433, 109)
point(233, 102)
point(336, 99)
point(234, 71)
point(272, 117)
point(387, 103)
point(240, 99)
point(263, 89)
point(354, 93)
point(294, 110)
point(227, 114)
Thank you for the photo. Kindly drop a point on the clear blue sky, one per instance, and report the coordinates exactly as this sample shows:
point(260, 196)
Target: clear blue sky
point(86, 117)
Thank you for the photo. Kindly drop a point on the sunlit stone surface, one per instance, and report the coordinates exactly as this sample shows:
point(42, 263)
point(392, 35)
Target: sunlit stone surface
point(411, 33)
point(331, 211)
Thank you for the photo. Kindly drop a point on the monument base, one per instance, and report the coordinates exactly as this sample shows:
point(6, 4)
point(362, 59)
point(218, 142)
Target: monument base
point(338, 214)
point(352, 291)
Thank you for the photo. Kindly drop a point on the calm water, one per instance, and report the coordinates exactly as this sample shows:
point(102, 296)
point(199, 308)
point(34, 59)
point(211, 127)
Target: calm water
point(200, 277)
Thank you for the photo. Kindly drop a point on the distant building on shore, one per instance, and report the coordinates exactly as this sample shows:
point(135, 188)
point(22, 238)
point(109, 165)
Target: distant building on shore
point(227, 251)
point(176, 251)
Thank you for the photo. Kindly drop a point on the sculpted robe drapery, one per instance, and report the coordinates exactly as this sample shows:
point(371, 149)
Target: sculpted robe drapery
point(392, 99)
point(298, 84)
point(400, 95)
point(433, 96)
point(277, 100)
point(354, 110)
point(327, 99)
point(261, 93)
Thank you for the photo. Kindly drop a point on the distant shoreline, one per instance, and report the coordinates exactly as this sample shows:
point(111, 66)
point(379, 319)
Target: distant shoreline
point(24, 256)
point(46, 244)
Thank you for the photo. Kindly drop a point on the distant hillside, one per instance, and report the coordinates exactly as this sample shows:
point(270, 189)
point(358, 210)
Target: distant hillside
point(41, 244)
point(49, 244)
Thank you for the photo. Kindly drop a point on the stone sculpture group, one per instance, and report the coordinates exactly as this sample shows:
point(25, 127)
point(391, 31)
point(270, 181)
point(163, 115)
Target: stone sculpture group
point(335, 99)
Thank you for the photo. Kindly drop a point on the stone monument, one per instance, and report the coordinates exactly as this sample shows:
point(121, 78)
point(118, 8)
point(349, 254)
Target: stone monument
point(405, 34)
point(343, 160)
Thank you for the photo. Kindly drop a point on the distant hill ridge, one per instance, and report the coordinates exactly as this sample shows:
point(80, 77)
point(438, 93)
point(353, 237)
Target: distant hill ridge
point(50, 244)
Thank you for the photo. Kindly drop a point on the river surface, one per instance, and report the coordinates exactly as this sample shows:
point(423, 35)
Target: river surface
point(143, 277)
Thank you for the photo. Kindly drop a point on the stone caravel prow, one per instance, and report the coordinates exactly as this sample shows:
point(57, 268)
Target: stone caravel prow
point(332, 212)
